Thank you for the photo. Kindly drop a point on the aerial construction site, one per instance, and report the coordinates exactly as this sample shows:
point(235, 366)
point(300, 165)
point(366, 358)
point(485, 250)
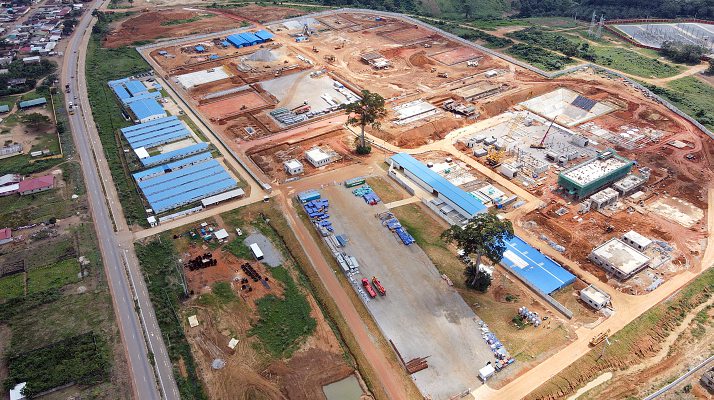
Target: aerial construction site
point(602, 182)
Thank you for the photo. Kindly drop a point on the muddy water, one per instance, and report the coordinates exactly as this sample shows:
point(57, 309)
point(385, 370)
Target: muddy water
point(346, 389)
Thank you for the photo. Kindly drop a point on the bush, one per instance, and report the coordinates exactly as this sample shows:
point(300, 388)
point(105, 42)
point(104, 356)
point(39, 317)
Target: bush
point(362, 150)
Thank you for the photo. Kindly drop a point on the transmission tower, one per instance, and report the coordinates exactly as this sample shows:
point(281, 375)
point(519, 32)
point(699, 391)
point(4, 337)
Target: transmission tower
point(600, 25)
point(591, 31)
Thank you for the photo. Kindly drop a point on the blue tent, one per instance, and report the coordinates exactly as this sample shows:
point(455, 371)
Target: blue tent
point(264, 35)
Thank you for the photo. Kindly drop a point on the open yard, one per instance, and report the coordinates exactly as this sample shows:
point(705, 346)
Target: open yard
point(420, 314)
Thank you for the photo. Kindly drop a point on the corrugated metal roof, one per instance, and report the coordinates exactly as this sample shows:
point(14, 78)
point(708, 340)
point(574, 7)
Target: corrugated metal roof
point(147, 108)
point(4, 108)
point(174, 154)
point(263, 34)
point(458, 196)
point(250, 38)
point(142, 96)
point(138, 133)
point(135, 87)
point(174, 182)
point(193, 195)
point(148, 124)
point(163, 139)
point(121, 92)
point(535, 267)
point(223, 197)
point(161, 169)
point(34, 102)
point(236, 40)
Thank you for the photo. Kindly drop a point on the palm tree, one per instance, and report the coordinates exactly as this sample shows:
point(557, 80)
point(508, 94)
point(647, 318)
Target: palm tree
point(366, 111)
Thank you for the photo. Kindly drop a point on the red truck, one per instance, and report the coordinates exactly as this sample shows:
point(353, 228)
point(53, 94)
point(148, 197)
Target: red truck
point(379, 286)
point(368, 288)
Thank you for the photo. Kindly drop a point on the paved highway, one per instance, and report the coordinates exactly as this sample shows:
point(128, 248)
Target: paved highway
point(132, 306)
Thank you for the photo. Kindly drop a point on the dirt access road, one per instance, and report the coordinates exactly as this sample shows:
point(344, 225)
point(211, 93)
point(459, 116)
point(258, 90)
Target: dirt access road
point(627, 309)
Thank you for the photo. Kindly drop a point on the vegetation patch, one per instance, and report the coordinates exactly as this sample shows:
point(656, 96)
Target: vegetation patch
point(103, 65)
point(157, 259)
point(633, 63)
point(539, 57)
point(284, 322)
point(690, 95)
point(82, 359)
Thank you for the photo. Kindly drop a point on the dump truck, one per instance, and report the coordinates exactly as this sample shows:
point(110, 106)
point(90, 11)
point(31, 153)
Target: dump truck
point(368, 288)
point(378, 285)
point(599, 338)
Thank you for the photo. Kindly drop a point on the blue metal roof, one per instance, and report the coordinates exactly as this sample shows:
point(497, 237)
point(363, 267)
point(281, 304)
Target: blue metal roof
point(250, 38)
point(146, 108)
point(225, 43)
point(121, 93)
point(163, 139)
point(148, 124)
point(135, 87)
point(533, 266)
point(200, 48)
point(193, 195)
point(186, 184)
point(32, 103)
point(166, 172)
point(4, 108)
point(459, 197)
point(174, 154)
point(237, 41)
point(141, 96)
point(263, 34)
point(117, 81)
point(135, 135)
point(157, 135)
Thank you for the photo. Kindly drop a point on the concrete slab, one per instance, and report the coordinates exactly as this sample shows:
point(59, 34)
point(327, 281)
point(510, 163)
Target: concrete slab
point(271, 255)
point(421, 314)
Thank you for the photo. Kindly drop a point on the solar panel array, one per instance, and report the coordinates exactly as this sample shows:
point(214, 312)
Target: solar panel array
point(181, 185)
point(155, 133)
point(584, 103)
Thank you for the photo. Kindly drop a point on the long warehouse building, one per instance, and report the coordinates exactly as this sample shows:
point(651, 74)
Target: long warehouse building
point(188, 184)
point(174, 155)
point(466, 204)
point(155, 133)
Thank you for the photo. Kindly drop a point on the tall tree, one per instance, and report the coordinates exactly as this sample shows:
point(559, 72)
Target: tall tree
point(710, 70)
point(366, 111)
point(483, 235)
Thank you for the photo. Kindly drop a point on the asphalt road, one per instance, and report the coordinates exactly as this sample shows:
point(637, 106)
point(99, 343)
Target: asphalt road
point(133, 309)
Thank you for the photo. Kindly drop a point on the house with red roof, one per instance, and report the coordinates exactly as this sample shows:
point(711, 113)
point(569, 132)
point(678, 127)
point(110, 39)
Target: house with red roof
point(5, 236)
point(36, 185)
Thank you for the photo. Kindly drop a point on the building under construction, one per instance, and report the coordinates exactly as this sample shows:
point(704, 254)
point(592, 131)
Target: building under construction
point(588, 177)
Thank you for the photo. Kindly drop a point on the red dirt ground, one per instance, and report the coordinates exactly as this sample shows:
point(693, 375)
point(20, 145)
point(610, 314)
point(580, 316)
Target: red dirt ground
point(148, 26)
point(244, 102)
point(458, 55)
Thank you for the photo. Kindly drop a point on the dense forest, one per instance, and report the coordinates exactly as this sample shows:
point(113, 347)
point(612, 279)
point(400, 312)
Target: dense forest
point(612, 9)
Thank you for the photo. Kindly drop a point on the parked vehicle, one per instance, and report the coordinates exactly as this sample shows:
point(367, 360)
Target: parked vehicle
point(379, 286)
point(368, 288)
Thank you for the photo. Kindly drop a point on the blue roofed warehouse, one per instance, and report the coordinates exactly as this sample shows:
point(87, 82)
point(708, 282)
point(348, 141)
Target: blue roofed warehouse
point(466, 204)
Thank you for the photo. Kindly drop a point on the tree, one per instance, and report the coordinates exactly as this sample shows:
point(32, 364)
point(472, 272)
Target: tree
point(366, 111)
point(710, 70)
point(483, 235)
point(476, 278)
point(35, 121)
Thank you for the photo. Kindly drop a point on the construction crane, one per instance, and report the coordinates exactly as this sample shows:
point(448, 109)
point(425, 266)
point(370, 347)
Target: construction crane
point(541, 145)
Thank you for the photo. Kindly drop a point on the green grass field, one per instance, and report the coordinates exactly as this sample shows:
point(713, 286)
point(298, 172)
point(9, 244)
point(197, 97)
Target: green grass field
point(18, 210)
point(284, 322)
point(692, 96)
point(633, 63)
point(103, 65)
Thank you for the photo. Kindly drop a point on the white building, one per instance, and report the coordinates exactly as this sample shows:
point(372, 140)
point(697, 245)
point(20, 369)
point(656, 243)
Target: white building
point(634, 239)
point(604, 198)
point(594, 297)
point(619, 259)
point(293, 167)
point(318, 157)
point(31, 60)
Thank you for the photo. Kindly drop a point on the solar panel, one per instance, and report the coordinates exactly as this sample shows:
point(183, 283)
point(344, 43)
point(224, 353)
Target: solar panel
point(584, 103)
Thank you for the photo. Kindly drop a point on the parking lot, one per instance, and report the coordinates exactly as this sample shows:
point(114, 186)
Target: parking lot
point(420, 314)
